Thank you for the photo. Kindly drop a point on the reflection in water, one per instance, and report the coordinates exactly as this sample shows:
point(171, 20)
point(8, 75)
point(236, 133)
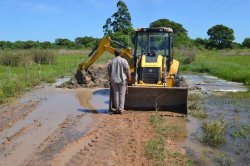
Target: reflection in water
point(93, 100)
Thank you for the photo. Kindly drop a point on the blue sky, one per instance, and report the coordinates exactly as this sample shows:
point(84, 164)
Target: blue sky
point(46, 20)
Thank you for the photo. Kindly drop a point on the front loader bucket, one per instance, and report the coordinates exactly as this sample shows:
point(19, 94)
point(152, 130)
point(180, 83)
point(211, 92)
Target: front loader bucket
point(156, 98)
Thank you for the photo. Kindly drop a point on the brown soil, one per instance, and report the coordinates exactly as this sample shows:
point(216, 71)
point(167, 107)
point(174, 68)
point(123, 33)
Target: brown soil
point(10, 114)
point(95, 76)
point(79, 138)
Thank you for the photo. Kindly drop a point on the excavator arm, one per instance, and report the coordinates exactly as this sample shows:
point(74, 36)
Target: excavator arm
point(104, 45)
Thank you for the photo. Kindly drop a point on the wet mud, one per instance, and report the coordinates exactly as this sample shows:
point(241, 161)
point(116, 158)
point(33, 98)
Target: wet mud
point(95, 76)
point(72, 127)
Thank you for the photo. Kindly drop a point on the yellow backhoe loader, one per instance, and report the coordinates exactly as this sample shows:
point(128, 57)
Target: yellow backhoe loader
point(154, 73)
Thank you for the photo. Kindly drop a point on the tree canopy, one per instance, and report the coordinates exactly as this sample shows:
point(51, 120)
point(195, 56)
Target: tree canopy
point(246, 43)
point(220, 37)
point(80, 42)
point(119, 21)
point(180, 33)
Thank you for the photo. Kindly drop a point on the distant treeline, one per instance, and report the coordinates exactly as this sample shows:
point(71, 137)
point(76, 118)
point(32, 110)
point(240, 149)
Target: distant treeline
point(79, 42)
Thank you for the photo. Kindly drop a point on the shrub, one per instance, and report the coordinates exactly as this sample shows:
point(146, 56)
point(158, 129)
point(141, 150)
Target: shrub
point(22, 57)
point(44, 56)
point(15, 58)
point(188, 54)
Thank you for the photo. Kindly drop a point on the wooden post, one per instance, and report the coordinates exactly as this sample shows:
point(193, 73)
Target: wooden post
point(40, 68)
point(27, 72)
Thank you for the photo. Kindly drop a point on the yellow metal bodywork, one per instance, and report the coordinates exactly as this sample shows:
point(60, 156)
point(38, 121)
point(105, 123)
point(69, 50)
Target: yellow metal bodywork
point(160, 63)
point(140, 95)
point(104, 45)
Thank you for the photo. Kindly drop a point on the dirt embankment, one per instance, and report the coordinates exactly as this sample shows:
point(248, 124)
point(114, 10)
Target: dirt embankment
point(95, 76)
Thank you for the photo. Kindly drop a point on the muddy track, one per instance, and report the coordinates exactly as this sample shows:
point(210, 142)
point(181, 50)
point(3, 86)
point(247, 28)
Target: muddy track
point(11, 114)
point(115, 141)
point(62, 130)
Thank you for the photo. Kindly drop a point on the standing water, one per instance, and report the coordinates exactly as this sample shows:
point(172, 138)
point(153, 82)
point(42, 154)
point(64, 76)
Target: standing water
point(234, 112)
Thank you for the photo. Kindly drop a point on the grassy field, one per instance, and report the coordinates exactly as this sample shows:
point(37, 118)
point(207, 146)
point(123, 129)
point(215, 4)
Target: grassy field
point(21, 70)
point(232, 65)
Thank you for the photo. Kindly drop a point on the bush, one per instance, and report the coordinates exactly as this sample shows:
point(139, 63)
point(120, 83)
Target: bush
point(22, 57)
point(44, 56)
point(189, 54)
point(15, 58)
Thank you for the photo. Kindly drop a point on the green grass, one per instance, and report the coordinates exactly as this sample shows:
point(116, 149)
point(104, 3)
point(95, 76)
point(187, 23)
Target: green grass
point(195, 107)
point(214, 132)
point(232, 65)
point(155, 148)
point(242, 131)
point(20, 69)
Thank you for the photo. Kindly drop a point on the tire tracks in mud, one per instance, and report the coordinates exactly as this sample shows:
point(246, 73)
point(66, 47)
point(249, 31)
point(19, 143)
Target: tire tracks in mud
point(12, 142)
point(116, 140)
point(66, 133)
point(10, 114)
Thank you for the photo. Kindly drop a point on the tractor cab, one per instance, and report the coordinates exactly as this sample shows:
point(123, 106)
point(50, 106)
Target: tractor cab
point(153, 52)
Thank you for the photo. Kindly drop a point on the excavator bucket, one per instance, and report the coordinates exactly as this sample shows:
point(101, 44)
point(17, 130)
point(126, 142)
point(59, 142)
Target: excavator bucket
point(172, 99)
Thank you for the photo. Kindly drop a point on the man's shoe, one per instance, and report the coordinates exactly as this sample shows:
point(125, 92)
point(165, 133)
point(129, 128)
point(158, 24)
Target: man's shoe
point(122, 111)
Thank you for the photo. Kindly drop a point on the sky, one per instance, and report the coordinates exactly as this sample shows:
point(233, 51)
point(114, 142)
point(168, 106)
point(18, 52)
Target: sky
point(47, 20)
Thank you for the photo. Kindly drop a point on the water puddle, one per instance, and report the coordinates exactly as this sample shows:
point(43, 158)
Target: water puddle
point(95, 101)
point(206, 83)
point(217, 104)
point(56, 106)
point(60, 81)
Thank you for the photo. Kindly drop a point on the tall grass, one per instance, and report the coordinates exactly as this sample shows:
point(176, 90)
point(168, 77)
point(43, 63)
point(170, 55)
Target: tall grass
point(214, 132)
point(22, 69)
point(24, 57)
point(232, 65)
point(188, 54)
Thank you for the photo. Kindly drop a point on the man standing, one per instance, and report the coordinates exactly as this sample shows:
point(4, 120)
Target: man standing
point(119, 75)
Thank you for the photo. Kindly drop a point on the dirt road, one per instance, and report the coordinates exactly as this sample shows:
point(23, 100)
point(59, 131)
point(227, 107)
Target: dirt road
point(50, 126)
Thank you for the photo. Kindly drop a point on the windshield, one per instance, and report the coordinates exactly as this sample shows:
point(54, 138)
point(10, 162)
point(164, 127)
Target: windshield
point(153, 42)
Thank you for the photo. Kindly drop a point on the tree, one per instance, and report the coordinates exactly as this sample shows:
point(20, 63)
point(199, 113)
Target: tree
point(120, 20)
point(200, 43)
point(124, 36)
point(85, 40)
point(6, 45)
point(220, 37)
point(246, 43)
point(107, 27)
point(180, 33)
point(64, 43)
point(46, 45)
